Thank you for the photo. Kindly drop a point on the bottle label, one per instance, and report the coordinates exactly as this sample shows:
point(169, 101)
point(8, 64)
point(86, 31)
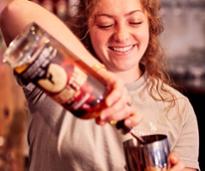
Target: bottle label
point(40, 60)
point(60, 78)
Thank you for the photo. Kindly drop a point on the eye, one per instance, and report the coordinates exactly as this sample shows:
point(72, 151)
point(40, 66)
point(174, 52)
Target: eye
point(135, 23)
point(104, 26)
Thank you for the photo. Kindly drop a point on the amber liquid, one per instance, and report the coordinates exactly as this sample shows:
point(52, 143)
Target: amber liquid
point(89, 99)
point(91, 95)
point(59, 73)
point(82, 90)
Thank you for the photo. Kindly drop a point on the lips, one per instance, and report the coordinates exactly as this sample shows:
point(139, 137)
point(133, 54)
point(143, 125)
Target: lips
point(121, 49)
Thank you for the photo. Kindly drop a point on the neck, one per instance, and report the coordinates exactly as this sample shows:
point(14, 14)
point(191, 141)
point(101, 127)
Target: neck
point(129, 76)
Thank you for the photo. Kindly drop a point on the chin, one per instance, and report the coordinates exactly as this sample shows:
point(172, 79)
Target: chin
point(120, 68)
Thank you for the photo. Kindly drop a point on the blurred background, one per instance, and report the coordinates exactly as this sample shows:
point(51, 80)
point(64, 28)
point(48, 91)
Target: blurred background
point(183, 41)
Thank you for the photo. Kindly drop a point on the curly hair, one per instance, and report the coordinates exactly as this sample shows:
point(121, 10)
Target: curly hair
point(153, 58)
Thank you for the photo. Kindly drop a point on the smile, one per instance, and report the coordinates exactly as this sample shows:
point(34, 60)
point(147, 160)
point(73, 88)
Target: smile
point(122, 49)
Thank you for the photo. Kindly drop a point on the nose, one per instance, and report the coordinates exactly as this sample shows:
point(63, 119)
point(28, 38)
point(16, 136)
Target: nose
point(122, 33)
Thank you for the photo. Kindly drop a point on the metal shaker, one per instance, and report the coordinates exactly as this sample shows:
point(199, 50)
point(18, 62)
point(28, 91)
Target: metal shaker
point(150, 156)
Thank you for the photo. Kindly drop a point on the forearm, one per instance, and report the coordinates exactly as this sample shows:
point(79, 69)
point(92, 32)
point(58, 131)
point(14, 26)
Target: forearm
point(20, 13)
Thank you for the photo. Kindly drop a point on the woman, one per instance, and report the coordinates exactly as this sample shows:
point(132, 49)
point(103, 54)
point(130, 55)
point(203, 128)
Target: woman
point(123, 36)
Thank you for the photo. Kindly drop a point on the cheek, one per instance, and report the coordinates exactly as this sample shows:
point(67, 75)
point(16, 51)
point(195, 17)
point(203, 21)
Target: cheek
point(144, 35)
point(99, 41)
point(146, 38)
point(95, 43)
point(97, 38)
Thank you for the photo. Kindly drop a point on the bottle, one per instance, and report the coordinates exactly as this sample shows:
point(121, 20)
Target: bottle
point(36, 57)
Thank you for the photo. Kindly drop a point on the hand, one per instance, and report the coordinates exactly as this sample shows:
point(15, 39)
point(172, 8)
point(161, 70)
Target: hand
point(174, 163)
point(58, 7)
point(118, 104)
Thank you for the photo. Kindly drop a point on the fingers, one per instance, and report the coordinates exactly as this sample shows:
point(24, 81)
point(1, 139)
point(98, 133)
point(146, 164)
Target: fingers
point(129, 117)
point(133, 120)
point(119, 107)
point(116, 102)
point(174, 163)
point(118, 92)
point(58, 7)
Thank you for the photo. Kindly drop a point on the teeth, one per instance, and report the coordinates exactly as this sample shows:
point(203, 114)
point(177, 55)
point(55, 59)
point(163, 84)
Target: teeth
point(122, 49)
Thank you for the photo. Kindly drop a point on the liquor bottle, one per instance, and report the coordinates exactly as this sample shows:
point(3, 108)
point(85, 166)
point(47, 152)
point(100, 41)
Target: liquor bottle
point(37, 57)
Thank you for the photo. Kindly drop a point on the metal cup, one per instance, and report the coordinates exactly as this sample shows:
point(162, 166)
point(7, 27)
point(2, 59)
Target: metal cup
point(150, 156)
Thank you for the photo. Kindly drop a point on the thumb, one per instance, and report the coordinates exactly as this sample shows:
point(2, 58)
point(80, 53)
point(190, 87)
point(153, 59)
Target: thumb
point(174, 163)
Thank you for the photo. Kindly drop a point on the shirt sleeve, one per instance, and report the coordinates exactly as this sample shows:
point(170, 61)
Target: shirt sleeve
point(187, 147)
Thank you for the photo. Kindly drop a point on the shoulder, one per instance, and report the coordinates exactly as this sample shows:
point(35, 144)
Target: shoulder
point(170, 97)
point(182, 108)
point(158, 84)
point(181, 100)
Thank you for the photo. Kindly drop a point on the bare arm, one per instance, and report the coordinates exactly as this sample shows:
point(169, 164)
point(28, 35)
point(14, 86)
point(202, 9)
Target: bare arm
point(19, 13)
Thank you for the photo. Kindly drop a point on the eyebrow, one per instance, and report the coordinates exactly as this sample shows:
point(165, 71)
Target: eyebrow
point(110, 16)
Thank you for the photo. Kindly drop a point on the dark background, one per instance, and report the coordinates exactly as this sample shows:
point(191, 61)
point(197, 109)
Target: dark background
point(184, 43)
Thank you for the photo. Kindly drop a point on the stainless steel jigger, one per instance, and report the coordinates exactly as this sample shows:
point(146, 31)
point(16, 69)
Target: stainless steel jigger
point(150, 156)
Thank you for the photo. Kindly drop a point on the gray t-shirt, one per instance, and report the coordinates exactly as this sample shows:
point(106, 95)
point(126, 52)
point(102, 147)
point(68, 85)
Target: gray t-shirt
point(61, 142)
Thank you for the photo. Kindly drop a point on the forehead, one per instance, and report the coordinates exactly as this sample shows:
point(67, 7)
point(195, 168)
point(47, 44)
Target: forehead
point(116, 7)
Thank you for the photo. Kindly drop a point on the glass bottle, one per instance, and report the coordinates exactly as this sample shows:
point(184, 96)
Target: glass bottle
point(36, 57)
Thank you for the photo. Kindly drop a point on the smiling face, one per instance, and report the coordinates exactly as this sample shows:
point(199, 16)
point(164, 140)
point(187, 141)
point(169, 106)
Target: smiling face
point(119, 32)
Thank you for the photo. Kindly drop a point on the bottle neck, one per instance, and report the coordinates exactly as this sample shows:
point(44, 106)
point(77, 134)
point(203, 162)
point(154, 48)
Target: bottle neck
point(122, 127)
